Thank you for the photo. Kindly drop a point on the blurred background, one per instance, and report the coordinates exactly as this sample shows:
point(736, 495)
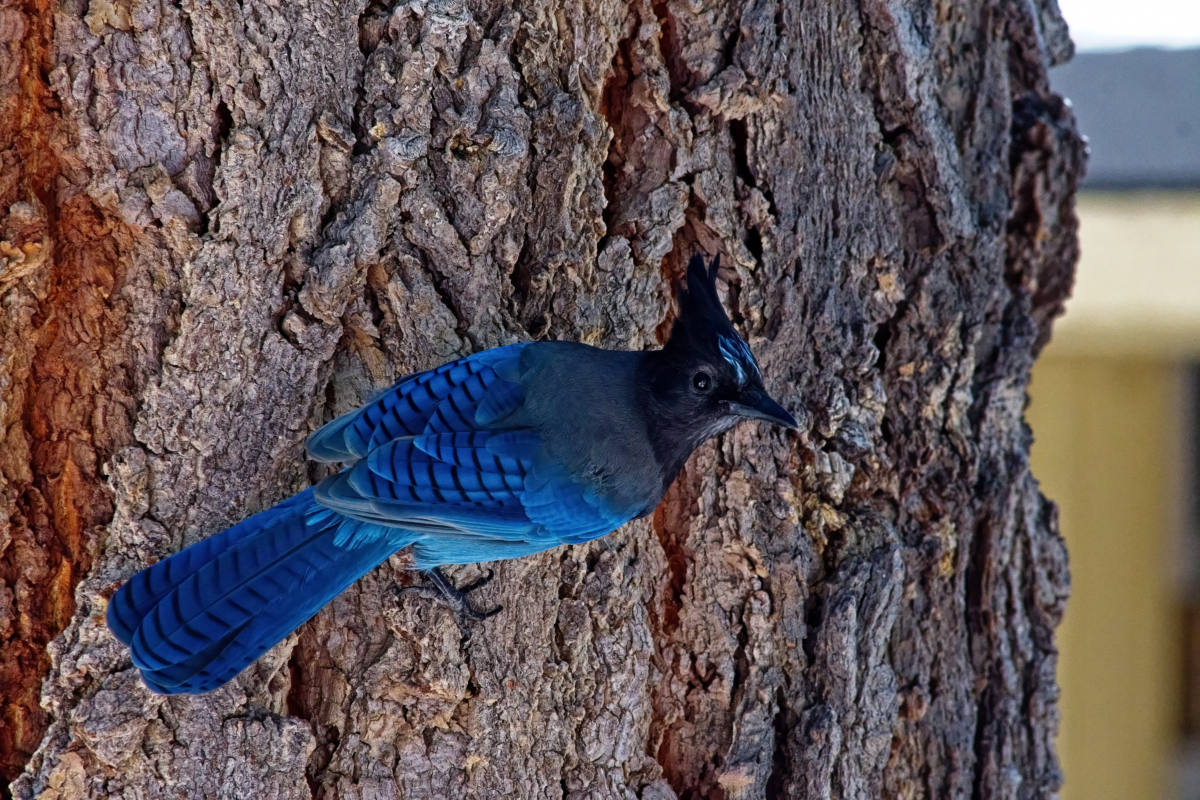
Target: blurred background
point(1115, 407)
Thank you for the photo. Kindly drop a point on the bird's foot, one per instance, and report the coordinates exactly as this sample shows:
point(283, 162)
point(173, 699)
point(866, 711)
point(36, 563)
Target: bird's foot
point(456, 597)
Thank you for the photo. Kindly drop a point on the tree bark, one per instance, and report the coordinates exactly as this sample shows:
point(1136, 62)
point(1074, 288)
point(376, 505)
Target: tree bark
point(227, 222)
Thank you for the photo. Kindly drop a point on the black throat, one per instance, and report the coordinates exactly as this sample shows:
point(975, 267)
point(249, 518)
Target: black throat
point(672, 438)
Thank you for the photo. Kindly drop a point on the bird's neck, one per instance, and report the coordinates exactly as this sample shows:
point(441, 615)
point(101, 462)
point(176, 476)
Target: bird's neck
point(672, 438)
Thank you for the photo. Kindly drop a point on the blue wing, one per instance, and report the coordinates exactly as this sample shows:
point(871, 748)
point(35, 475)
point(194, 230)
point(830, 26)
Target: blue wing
point(458, 396)
point(435, 458)
point(469, 496)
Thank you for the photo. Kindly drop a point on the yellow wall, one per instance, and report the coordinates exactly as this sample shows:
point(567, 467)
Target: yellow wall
point(1137, 290)
point(1106, 433)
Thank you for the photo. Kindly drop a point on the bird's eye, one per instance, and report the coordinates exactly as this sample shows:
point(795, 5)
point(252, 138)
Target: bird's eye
point(701, 381)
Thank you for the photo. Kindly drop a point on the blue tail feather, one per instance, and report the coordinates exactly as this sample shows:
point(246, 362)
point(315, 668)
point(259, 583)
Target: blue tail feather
point(196, 619)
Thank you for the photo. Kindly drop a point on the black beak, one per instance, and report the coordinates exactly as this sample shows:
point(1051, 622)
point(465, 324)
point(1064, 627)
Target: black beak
point(757, 404)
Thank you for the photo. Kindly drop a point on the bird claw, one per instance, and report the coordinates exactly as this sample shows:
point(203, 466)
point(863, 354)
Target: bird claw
point(479, 582)
point(456, 597)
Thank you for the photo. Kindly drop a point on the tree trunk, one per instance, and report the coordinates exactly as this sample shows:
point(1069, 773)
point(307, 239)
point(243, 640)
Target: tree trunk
point(226, 223)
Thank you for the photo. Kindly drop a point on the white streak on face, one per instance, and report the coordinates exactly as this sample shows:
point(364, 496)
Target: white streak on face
point(737, 353)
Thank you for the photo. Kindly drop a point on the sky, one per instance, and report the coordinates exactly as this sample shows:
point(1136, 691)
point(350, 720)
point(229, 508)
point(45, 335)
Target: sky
point(1120, 24)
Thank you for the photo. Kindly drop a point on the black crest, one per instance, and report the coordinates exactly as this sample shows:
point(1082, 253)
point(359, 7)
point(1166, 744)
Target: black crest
point(701, 317)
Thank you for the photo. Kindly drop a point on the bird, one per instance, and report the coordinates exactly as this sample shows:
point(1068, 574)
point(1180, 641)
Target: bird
point(497, 455)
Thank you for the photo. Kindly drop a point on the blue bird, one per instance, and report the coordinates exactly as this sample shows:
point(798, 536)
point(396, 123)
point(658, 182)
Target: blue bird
point(497, 455)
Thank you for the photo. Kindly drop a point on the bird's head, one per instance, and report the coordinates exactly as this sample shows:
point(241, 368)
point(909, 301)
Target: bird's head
point(706, 377)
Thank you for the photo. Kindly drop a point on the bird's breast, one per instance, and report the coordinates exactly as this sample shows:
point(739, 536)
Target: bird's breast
point(583, 403)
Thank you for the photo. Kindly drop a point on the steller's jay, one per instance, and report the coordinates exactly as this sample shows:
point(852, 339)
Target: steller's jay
point(497, 455)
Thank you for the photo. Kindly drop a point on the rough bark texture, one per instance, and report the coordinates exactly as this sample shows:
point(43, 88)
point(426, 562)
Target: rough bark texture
point(226, 222)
